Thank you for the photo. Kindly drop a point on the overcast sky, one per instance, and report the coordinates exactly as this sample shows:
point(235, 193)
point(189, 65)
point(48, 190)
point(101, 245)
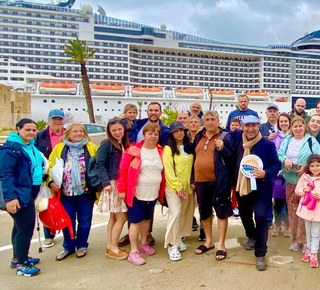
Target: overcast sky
point(255, 22)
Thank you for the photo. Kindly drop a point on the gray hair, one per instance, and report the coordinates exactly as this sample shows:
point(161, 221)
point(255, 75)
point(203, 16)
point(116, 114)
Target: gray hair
point(211, 113)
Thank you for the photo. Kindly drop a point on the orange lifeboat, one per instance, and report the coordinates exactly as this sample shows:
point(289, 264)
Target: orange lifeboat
point(223, 94)
point(189, 93)
point(147, 92)
point(281, 100)
point(58, 88)
point(262, 96)
point(107, 90)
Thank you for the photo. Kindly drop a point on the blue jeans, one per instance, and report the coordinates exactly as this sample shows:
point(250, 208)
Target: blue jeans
point(78, 207)
point(47, 234)
point(258, 229)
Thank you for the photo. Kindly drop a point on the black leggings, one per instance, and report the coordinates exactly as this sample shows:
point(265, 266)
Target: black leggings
point(22, 232)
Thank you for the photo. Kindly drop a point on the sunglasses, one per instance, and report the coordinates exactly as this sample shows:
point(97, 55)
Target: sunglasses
point(206, 145)
point(115, 119)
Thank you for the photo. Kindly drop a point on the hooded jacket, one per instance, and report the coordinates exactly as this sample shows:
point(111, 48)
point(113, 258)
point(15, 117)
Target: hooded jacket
point(17, 171)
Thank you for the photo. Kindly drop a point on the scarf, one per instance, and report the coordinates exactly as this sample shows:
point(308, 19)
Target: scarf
point(243, 183)
point(34, 155)
point(75, 151)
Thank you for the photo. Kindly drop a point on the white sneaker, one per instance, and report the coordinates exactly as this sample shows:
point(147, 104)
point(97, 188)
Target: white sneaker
point(182, 246)
point(236, 213)
point(48, 243)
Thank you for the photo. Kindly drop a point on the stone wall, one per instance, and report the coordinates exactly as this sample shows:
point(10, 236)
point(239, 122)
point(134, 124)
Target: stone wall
point(13, 106)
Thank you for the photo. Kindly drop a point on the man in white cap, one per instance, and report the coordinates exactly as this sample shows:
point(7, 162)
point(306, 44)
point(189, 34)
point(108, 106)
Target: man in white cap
point(255, 199)
point(45, 142)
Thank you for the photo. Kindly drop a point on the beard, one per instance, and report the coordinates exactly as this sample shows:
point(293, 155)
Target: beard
point(299, 114)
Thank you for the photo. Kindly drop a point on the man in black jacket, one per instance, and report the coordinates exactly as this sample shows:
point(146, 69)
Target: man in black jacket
point(45, 142)
point(255, 198)
point(213, 163)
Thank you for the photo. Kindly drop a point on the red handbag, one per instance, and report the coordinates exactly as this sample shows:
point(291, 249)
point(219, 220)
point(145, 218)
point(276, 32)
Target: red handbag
point(55, 216)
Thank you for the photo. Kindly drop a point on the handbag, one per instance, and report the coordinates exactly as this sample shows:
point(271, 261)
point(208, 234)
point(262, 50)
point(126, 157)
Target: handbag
point(42, 200)
point(55, 216)
point(92, 176)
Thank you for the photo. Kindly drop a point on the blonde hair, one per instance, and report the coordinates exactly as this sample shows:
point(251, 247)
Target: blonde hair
point(128, 107)
point(298, 119)
point(66, 133)
point(151, 127)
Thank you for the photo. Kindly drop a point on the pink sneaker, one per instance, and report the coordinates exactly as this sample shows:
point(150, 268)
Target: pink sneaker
point(136, 259)
point(306, 256)
point(313, 260)
point(145, 248)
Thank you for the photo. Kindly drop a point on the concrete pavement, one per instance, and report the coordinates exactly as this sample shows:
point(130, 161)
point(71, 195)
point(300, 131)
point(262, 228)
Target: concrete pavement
point(95, 271)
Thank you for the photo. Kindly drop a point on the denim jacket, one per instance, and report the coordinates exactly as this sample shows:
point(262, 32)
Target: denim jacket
point(108, 162)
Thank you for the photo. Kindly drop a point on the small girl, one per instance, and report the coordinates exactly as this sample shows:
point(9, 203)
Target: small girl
point(129, 120)
point(311, 217)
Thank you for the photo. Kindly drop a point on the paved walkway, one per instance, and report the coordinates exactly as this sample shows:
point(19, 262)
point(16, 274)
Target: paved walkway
point(96, 271)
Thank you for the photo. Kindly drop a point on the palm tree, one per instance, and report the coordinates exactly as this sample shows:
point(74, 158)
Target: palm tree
point(140, 108)
point(79, 52)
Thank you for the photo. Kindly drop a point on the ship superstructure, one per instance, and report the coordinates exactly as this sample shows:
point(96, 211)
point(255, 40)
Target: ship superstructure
point(138, 62)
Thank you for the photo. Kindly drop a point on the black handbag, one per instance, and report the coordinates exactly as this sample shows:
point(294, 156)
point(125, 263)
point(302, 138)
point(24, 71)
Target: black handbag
point(92, 176)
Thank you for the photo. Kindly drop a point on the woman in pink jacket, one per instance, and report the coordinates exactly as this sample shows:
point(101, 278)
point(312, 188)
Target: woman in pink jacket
point(309, 207)
point(141, 183)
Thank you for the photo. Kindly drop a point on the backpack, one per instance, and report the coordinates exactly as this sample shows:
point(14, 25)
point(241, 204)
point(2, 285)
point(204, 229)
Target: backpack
point(55, 216)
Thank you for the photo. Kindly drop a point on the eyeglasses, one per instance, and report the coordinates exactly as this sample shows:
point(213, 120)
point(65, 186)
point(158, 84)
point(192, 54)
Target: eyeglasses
point(206, 145)
point(115, 119)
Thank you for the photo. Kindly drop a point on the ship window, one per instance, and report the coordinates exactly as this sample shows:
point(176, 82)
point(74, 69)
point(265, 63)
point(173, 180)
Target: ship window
point(45, 101)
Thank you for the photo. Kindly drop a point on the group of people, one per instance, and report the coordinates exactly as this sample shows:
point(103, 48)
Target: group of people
point(143, 161)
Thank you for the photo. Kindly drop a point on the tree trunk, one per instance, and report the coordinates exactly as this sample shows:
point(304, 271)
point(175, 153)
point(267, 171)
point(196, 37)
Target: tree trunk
point(87, 92)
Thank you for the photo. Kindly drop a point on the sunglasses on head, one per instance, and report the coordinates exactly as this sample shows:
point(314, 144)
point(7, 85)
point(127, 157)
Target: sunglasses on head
point(115, 119)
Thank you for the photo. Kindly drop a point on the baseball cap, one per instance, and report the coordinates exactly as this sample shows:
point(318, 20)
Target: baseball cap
point(56, 113)
point(250, 120)
point(175, 126)
point(273, 106)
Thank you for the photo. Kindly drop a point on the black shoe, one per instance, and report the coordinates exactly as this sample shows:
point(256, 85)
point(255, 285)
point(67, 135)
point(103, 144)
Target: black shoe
point(202, 236)
point(124, 241)
point(194, 225)
point(151, 240)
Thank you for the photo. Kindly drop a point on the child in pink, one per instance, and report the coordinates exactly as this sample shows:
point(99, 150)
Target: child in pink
point(311, 217)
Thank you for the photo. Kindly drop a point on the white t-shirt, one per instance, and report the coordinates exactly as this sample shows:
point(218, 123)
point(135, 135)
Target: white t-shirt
point(184, 152)
point(294, 149)
point(150, 176)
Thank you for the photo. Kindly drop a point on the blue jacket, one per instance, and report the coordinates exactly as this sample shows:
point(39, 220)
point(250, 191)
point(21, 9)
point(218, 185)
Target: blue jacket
point(266, 129)
point(223, 164)
point(266, 150)
point(164, 136)
point(304, 153)
point(132, 132)
point(15, 173)
point(108, 160)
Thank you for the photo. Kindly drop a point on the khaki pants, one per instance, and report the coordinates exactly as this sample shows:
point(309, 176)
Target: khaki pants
point(180, 217)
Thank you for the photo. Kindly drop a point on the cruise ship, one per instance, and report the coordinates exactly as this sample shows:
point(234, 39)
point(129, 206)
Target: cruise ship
point(135, 62)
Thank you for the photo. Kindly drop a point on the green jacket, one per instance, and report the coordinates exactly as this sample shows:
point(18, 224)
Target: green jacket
point(304, 115)
point(304, 153)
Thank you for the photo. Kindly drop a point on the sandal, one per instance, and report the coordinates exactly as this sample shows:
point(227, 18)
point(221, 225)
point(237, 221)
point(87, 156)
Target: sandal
point(203, 249)
point(62, 255)
point(221, 255)
point(174, 254)
point(82, 252)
